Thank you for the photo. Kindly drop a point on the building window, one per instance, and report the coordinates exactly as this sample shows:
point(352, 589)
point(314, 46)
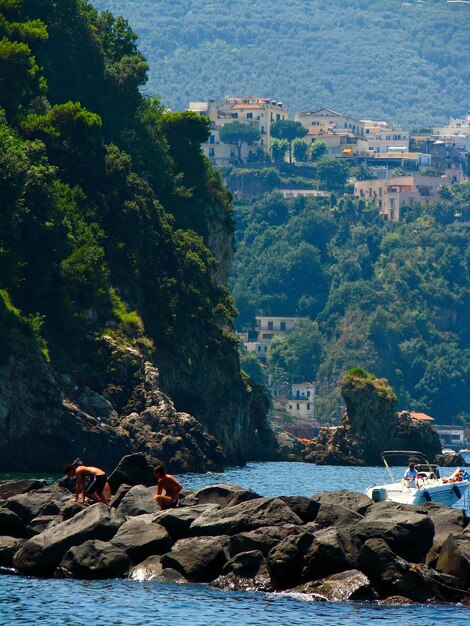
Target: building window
point(270, 325)
point(298, 406)
point(308, 406)
point(283, 326)
point(212, 139)
point(308, 394)
point(249, 116)
point(259, 348)
point(211, 152)
point(278, 117)
point(235, 115)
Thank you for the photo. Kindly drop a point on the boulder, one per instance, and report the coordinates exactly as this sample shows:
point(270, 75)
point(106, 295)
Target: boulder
point(261, 539)
point(10, 488)
point(118, 497)
point(247, 565)
point(199, 559)
point(336, 514)
point(8, 547)
point(94, 560)
point(391, 575)
point(40, 523)
point(44, 501)
point(349, 585)
point(178, 521)
point(43, 553)
point(286, 560)
point(454, 558)
point(305, 508)
point(140, 538)
point(244, 517)
point(408, 530)
point(451, 459)
point(353, 500)
point(138, 501)
point(221, 494)
point(11, 524)
point(133, 469)
point(71, 509)
point(446, 520)
point(150, 569)
point(326, 555)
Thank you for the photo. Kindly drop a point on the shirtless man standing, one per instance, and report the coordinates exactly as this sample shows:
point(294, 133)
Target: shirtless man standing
point(171, 486)
point(96, 485)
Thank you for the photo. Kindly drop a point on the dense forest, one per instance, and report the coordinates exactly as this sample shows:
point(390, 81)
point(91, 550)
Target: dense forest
point(392, 297)
point(114, 229)
point(405, 62)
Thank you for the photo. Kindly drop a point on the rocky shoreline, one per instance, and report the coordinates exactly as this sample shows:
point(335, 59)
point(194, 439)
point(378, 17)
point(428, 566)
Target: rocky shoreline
point(334, 546)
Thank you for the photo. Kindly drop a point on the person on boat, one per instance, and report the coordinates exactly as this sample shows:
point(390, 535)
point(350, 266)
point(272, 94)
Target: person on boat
point(172, 487)
point(410, 476)
point(96, 486)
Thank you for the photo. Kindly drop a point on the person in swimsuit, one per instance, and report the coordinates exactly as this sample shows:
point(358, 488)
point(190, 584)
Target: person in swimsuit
point(171, 486)
point(96, 485)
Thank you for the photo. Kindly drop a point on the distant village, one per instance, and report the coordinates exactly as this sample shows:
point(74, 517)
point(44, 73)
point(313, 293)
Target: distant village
point(404, 169)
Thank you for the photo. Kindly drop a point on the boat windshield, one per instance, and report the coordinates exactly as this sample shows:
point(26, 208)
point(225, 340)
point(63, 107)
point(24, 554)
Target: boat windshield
point(402, 458)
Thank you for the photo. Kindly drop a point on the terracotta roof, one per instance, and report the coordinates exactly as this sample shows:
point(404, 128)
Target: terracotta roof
point(422, 416)
point(246, 106)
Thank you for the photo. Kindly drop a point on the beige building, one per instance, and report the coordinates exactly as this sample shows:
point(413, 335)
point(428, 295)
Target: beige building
point(260, 113)
point(391, 194)
point(457, 131)
point(259, 340)
point(381, 137)
point(324, 121)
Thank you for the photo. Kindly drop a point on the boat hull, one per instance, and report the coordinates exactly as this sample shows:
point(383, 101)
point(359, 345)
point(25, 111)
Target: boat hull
point(440, 492)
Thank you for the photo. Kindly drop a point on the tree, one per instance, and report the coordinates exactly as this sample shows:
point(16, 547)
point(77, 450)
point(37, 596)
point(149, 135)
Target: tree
point(237, 134)
point(317, 150)
point(298, 352)
point(279, 148)
point(288, 130)
point(333, 172)
point(300, 148)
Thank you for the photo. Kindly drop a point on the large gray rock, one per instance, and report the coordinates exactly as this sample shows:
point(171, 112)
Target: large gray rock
point(8, 547)
point(261, 539)
point(305, 508)
point(393, 576)
point(353, 500)
point(326, 555)
point(40, 523)
point(49, 500)
point(408, 531)
point(140, 538)
point(94, 560)
point(11, 524)
point(118, 497)
point(286, 560)
point(247, 565)
point(446, 520)
point(178, 521)
point(138, 501)
point(199, 559)
point(336, 515)
point(244, 517)
point(150, 569)
point(347, 585)
point(71, 509)
point(43, 553)
point(133, 469)
point(221, 494)
point(10, 488)
point(454, 558)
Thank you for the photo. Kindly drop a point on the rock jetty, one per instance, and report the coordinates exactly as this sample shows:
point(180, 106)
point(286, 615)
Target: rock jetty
point(334, 546)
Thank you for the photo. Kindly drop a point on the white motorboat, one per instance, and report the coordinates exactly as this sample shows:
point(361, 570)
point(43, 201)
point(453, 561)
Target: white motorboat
point(430, 486)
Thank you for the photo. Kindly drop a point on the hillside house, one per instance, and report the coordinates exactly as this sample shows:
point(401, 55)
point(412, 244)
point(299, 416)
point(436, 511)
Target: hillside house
point(391, 194)
point(380, 137)
point(260, 113)
point(267, 327)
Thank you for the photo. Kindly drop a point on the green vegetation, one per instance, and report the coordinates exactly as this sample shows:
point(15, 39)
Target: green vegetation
point(238, 134)
point(106, 205)
point(392, 298)
point(376, 59)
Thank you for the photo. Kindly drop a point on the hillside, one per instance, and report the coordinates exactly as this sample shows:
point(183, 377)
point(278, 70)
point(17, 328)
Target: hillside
point(115, 245)
point(406, 62)
point(391, 297)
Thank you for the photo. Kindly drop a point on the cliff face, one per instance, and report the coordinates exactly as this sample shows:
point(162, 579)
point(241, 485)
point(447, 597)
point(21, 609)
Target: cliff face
point(369, 426)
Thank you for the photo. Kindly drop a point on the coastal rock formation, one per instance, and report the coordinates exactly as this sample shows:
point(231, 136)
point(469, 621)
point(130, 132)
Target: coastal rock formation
point(369, 426)
point(350, 547)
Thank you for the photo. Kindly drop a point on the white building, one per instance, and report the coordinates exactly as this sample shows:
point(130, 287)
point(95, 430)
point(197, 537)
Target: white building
point(380, 137)
point(260, 113)
point(301, 401)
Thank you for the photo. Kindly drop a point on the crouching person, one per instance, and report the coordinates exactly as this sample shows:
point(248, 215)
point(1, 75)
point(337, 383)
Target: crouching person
point(169, 484)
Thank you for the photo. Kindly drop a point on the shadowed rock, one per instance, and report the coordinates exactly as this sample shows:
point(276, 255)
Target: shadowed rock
point(133, 469)
point(305, 508)
point(199, 559)
point(178, 521)
point(244, 517)
point(94, 560)
point(8, 547)
point(140, 538)
point(49, 500)
point(247, 565)
point(446, 521)
point(11, 524)
point(221, 494)
point(138, 501)
point(454, 558)
point(262, 539)
point(353, 500)
point(336, 514)
point(10, 488)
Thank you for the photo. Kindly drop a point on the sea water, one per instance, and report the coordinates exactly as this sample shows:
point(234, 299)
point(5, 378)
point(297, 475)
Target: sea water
point(57, 602)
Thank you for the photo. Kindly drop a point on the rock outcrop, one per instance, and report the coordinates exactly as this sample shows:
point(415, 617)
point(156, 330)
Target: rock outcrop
point(336, 546)
point(369, 426)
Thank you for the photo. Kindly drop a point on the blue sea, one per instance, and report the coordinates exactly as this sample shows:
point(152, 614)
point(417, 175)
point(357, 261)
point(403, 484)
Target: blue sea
point(29, 601)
